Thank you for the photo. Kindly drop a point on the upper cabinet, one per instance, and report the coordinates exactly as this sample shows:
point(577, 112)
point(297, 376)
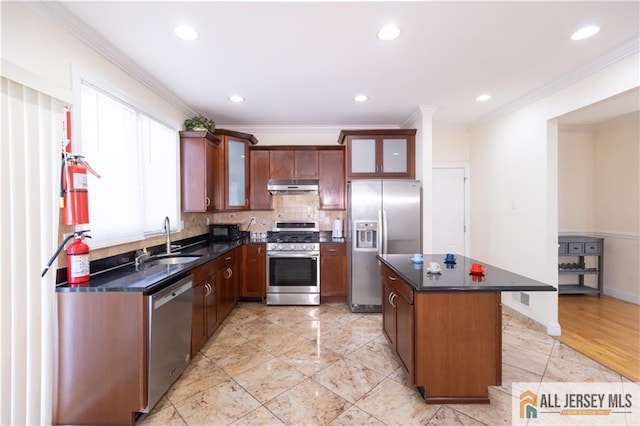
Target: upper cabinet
point(233, 168)
point(331, 182)
point(293, 164)
point(198, 167)
point(259, 197)
point(387, 153)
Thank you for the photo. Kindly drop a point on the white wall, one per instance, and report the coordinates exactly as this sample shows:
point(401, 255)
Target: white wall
point(514, 186)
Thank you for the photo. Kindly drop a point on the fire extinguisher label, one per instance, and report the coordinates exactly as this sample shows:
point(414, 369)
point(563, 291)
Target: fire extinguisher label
point(80, 181)
point(79, 265)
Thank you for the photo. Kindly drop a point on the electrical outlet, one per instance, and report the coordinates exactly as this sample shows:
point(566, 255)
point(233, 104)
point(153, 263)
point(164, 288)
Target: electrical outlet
point(208, 220)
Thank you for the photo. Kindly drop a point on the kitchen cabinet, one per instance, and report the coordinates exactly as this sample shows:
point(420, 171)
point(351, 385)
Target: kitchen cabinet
point(204, 315)
point(102, 354)
point(199, 170)
point(333, 272)
point(259, 197)
point(582, 248)
point(331, 179)
point(398, 324)
point(386, 153)
point(228, 282)
point(293, 164)
point(254, 278)
point(233, 168)
point(448, 342)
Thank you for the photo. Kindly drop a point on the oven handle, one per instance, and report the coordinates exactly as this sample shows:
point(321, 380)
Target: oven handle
point(315, 254)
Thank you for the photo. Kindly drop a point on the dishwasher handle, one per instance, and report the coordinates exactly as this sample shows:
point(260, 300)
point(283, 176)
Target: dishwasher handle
point(171, 293)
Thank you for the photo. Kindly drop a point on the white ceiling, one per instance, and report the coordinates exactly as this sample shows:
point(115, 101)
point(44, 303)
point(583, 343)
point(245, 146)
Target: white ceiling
point(301, 63)
point(607, 109)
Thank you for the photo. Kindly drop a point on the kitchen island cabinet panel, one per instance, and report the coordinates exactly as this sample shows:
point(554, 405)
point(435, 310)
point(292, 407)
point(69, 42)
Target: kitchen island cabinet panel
point(102, 362)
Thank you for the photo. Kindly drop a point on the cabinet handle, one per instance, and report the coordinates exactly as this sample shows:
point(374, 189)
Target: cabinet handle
point(208, 287)
point(227, 258)
point(208, 201)
point(393, 296)
point(332, 250)
point(392, 278)
point(229, 273)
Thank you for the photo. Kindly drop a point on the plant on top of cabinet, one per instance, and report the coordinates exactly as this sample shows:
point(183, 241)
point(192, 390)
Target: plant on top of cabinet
point(201, 123)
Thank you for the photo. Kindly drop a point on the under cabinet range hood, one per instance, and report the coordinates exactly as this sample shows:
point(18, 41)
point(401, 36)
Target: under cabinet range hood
point(292, 186)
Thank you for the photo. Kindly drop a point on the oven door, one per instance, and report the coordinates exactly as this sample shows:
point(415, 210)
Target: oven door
point(293, 272)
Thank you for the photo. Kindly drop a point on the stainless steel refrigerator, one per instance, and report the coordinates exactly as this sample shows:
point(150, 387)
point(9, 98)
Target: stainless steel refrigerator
point(383, 216)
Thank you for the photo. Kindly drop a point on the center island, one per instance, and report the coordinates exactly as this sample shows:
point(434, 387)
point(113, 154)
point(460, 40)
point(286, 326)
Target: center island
point(446, 328)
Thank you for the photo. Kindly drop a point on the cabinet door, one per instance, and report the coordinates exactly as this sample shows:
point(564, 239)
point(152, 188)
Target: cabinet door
point(211, 163)
point(198, 167)
point(221, 294)
point(253, 277)
point(281, 164)
point(394, 155)
point(388, 312)
point(305, 164)
point(404, 334)
point(211, 305)
point(198, 321)
point(333, 272)
point(237, 168)
point(362, 156)
point(331, 179)
point(259, 197)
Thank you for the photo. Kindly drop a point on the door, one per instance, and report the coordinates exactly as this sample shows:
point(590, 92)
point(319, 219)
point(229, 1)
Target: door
point(448, 197)
point(401, 216)
point(364, 211)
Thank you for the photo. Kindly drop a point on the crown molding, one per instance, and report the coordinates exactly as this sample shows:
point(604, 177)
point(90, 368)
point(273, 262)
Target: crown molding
point(627, 49)
point(333, 128)
point(421, 111)
point(70, 22)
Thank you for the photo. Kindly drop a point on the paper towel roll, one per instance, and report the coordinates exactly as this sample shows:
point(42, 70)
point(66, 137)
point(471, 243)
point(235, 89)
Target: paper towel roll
point(337, 228)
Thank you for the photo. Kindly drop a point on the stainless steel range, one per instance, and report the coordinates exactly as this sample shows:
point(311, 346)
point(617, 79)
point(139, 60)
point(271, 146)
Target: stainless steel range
point(293, 263)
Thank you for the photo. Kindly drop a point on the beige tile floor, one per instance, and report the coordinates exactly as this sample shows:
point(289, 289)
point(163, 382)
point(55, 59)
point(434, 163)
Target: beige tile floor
point(275, 365)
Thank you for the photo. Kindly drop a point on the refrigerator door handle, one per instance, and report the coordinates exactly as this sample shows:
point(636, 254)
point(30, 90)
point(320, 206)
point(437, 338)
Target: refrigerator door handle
point(379, 234)
point(385, 241)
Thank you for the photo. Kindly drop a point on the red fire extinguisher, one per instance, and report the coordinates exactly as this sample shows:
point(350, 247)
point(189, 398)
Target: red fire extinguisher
point(74, 194)
point(78, 259)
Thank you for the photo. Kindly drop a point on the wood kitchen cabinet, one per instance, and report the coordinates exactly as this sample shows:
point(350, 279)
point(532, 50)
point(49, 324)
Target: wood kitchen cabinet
point(259, 197)
point(233, 168)
point(228, 282)
point(254, 257)
point(101, 363)
point(331, 179)
point(386, 153)
point(293, 164)
point(333, 272)
point(199, 153)
point(204, 315)
point(449, 342)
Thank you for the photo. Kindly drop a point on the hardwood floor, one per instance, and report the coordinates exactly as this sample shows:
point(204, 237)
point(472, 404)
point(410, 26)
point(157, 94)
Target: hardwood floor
point(605, 329)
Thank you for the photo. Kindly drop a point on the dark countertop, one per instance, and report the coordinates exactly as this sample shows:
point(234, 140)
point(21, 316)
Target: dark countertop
point(150, 277)
point(456, 277)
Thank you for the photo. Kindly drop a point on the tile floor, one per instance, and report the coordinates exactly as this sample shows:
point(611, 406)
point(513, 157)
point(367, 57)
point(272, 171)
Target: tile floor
point(272, 365)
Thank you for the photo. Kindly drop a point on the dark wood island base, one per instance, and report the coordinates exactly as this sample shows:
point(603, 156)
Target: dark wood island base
point(448, 337)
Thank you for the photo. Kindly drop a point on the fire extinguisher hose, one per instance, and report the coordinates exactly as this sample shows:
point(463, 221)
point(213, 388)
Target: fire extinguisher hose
point(61, 246)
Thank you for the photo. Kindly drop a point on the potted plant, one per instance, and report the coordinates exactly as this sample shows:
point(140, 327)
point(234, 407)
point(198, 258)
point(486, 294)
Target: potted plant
point(200, 123)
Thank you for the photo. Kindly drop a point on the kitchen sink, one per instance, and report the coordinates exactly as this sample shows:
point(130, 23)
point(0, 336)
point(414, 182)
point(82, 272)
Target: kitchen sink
point(173, 259)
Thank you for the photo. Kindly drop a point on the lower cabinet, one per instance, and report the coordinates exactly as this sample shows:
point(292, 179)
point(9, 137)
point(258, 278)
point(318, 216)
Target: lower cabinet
point(333, 272)
point(254, 280)
point(449, 342)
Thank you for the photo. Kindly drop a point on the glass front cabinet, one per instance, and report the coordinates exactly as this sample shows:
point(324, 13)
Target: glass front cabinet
point(234, 169)
point(388, 153)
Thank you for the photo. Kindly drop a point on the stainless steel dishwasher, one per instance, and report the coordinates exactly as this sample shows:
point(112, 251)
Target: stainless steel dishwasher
point(169, 344)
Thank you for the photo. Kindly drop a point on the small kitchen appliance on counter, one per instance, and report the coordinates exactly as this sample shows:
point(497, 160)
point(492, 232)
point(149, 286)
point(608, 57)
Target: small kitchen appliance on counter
point(293, 263)
point(337, 229)
point(224, 232)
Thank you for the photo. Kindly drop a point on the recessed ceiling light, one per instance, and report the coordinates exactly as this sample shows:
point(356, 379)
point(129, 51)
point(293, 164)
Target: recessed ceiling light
point(585, 32)
point(483, 98)
point(390, 32)
point(186, 32)
point(236, 98)
point(361, 98)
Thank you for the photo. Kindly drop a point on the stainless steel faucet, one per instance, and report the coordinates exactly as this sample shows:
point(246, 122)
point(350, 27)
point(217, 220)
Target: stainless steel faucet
point(167, 228)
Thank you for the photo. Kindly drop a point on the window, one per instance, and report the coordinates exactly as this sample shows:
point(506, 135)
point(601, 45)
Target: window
point(137, 159)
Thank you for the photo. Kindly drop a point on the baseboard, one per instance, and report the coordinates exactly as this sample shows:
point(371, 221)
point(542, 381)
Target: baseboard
point(553, 329)
point(623, 295)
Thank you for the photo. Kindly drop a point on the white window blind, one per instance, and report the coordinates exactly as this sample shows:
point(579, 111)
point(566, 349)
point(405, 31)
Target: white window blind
point(136, 157)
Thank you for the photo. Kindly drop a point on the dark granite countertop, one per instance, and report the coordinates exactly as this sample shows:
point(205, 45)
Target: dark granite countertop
point(456, 277)
point(149, 277)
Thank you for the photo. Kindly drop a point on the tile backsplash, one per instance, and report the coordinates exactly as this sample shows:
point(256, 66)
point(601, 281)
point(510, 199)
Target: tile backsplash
point(285, 207)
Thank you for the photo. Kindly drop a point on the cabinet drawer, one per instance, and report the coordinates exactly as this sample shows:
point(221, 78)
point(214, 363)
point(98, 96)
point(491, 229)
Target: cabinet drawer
point(576, 248)
point(563, 248)
point(592, 248)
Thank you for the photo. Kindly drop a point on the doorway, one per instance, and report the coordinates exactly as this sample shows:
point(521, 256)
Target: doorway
point(450, 211)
